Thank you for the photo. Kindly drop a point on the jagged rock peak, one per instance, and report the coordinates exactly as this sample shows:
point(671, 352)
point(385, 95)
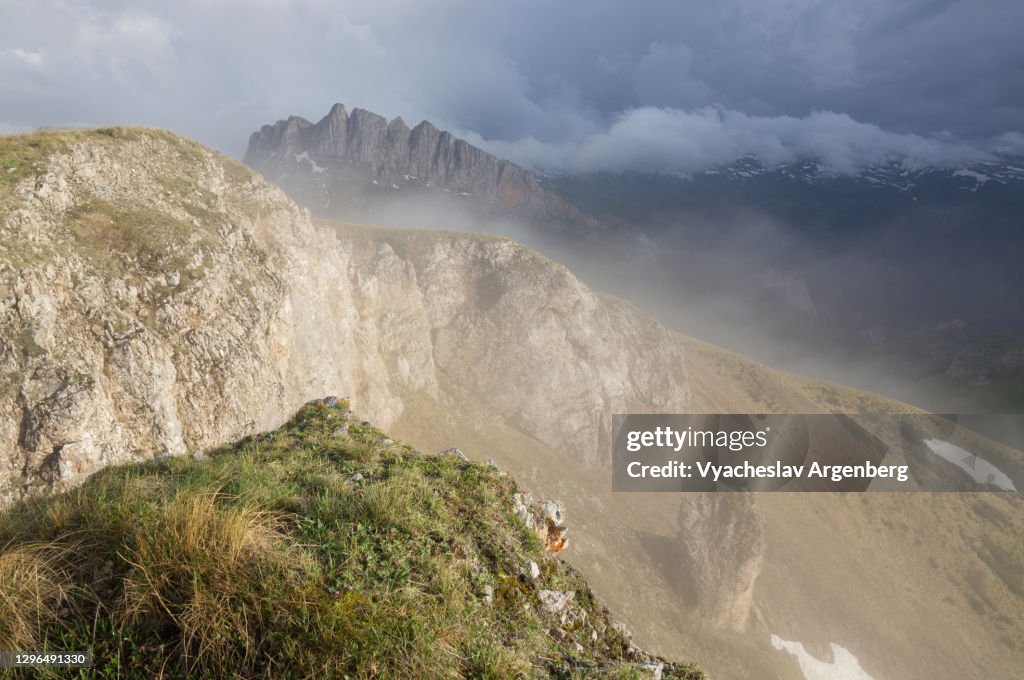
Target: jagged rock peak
point(391, 153)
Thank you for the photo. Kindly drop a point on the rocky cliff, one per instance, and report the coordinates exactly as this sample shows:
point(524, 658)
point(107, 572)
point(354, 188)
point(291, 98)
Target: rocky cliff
point(157, 298)
point(368, 153)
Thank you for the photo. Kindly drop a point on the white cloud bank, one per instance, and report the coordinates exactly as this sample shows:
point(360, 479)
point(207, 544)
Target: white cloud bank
point(666, 139)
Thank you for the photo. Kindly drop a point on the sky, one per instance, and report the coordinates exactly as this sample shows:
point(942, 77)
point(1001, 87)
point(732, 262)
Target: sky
point(574, 86)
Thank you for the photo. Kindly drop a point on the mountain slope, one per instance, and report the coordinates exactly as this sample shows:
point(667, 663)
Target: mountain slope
point(158, 298)
point(319, 549)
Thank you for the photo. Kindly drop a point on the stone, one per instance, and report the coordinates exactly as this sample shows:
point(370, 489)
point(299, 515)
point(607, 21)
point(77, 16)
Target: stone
point(531, 570)
point(487, 593)
point(522, 506)
point(453, 452)
point(554, 601)
point(494, 466)
point(354, 478)
point(329, 401)
point(340, 432)
point(655, 668)
point(550, 524)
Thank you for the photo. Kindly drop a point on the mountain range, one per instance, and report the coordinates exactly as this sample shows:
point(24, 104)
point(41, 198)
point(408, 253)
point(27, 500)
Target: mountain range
point(333, 163)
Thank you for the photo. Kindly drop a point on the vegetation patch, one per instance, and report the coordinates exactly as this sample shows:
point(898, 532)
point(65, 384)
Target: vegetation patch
point(115, 239)
point(321, 549)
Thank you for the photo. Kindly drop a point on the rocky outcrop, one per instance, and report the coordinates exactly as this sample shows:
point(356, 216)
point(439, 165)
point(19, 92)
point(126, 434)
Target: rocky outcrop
point(722, 539)
point(546, 518)
point(158, 299)
point(306, 157)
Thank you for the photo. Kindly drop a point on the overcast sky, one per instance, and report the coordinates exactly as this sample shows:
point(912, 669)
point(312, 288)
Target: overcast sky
point(657, 84)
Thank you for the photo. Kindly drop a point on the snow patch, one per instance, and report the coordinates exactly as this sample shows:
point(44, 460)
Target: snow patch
point(978, 178)
point(304, 156)
point(979, 469)
point(844, 665)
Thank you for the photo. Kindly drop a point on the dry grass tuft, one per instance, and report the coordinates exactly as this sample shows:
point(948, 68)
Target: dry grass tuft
point(199, 569)
point(32, 587)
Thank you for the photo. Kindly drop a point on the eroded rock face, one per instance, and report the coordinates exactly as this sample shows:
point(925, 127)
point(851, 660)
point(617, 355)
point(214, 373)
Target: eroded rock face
point(723, 542)
point(299, 153)
point(159, 299)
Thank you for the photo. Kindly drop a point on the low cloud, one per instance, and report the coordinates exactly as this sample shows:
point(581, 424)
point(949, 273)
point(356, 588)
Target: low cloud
point(673, 140)
point(18, 55)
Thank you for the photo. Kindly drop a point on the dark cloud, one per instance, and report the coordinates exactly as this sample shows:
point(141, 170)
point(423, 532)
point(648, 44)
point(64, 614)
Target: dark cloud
point(567, 84)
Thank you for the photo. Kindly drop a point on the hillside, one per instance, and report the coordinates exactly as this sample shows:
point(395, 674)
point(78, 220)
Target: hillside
point(321, 549)
point(159, 299)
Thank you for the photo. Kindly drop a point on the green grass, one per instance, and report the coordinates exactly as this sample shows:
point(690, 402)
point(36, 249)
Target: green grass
point(115, 239)
point(266, 560)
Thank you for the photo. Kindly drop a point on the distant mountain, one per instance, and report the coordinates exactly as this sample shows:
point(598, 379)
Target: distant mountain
point(804, 194)
point(348, 162)
point(922, 244)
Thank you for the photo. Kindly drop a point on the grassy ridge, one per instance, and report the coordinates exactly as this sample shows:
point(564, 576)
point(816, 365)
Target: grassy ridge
point(304, 552)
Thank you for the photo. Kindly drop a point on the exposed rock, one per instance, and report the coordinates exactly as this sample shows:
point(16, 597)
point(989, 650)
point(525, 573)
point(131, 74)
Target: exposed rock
point(523, 507)
point(655, 668)
point(328, 402)
point(722, 536)
point(554, 601)
point(546, 518)
point(453, 452)
point(531, 570)
point(550, 525)
point(308, 158)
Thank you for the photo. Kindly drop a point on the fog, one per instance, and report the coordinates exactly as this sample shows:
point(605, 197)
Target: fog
point(757, 287)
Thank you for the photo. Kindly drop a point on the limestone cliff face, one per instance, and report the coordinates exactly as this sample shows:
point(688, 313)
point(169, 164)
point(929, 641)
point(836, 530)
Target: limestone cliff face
point(723, 553)
point(307, 157)
point(156, 299)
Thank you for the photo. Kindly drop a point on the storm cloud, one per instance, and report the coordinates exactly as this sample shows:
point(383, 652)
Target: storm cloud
point(661, 85)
